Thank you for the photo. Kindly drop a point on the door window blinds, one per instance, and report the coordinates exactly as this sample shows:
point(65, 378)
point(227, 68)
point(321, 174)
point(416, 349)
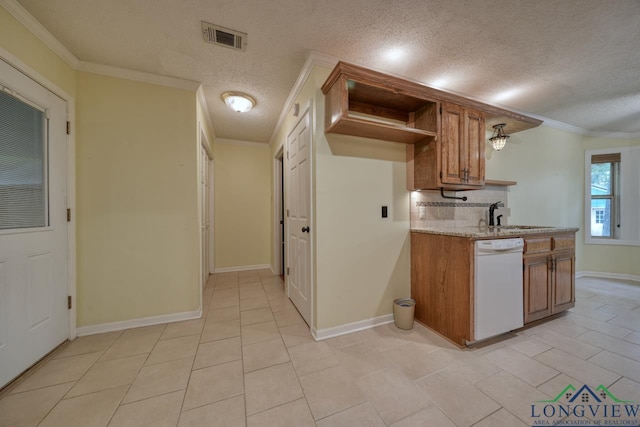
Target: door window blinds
point(23, 164)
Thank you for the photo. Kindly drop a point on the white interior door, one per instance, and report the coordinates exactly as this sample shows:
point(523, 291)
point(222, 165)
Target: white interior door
point(298, 217)
point(34, 318)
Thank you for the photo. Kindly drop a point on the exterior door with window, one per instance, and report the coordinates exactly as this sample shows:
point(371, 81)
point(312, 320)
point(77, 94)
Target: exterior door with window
point(298, 216)
point(34, 317)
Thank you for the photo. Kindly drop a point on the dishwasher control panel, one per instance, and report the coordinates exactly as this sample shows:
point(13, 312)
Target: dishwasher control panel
point(499, 244)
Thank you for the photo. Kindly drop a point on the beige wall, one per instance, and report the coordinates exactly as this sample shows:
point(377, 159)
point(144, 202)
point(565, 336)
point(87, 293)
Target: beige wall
point(137, 209)
point(137, 218)
point(362, 261)
point(242, 204)
point(548, 165)
point(610, 258)
point(21, 42)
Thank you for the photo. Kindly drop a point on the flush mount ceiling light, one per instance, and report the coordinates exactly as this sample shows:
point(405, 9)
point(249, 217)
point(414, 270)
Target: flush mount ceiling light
point(238, 101)
point(499, 138)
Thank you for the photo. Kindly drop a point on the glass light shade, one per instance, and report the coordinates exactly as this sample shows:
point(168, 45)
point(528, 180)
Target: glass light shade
point(499, 139)
point(498, 143)
point(239, 102)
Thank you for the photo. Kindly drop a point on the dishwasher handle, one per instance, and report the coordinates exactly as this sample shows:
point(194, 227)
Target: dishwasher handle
point(499, 246)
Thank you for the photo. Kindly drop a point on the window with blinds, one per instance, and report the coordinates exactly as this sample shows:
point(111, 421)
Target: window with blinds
point(612, 198)
point(23, 164)
point(605, 208)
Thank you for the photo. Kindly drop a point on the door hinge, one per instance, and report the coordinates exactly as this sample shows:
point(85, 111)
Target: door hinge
point(287, 213)
point(69, 305)
point(287, 271)
point(440, 174)
point(68, 128)
point(68, 215)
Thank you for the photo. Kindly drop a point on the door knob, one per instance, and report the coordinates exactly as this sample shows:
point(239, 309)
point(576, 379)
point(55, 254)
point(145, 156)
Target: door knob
point(305, 229)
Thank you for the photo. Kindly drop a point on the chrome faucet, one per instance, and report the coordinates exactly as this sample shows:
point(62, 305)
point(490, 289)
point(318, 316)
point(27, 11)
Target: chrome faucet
point(492, 208)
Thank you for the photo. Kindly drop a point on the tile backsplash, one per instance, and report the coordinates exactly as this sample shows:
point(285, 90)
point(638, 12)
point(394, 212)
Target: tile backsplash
point(441, 212)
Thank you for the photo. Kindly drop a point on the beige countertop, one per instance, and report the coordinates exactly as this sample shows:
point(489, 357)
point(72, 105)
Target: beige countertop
point(483, 232)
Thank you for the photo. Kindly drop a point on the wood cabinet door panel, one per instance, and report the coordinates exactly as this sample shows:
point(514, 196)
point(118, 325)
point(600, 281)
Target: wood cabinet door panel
point(564, 282)
point(537, 288)
point(474, 147)
point(451, 137)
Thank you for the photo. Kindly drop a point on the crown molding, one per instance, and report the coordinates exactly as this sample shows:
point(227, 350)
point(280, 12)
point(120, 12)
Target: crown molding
point(25, 18)
point(140, 76)
point(241, 143)
point(313, 58)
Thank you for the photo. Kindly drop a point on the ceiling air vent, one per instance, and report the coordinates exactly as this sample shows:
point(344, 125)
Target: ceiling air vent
point(224, 36)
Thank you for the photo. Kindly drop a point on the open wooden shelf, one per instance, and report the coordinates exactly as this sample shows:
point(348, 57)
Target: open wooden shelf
point(499, 182)
point(358, 107)
point(389, 132)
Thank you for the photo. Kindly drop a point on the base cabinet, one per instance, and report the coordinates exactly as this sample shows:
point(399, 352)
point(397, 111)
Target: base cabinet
point(442, 280)
point(442, 283)
point(549, 276)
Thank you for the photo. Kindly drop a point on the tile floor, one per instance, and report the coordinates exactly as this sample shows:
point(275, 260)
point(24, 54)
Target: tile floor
point(250, 361)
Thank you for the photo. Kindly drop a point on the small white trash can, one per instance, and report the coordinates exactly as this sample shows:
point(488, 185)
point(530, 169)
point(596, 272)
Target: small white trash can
point(403, 312)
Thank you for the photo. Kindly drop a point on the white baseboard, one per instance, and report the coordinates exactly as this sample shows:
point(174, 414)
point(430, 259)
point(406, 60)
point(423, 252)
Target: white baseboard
point(323, 334)
point(137, 323)
point(242, 268)
point(605, 275)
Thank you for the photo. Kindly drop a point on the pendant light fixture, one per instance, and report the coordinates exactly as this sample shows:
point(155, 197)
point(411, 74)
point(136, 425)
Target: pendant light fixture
point(499, 138)
point(238, 101)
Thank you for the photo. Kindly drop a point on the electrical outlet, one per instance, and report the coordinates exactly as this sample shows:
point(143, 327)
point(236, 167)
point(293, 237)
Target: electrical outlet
point(423, 212)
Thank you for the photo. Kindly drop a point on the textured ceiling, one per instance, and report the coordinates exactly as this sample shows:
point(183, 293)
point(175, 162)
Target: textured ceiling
point(573, 61)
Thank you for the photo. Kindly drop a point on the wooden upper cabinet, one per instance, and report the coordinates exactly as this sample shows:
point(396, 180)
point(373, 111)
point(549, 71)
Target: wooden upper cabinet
point(462, 148)
point(444, 133)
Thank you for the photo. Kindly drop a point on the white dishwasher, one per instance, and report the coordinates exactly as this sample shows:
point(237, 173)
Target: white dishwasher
point(498, 305)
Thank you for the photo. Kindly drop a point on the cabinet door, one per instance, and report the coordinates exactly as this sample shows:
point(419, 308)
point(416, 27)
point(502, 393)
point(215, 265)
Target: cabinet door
point(563, 271)
point(537, 288)
point(473, 147)
point(451, 156)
